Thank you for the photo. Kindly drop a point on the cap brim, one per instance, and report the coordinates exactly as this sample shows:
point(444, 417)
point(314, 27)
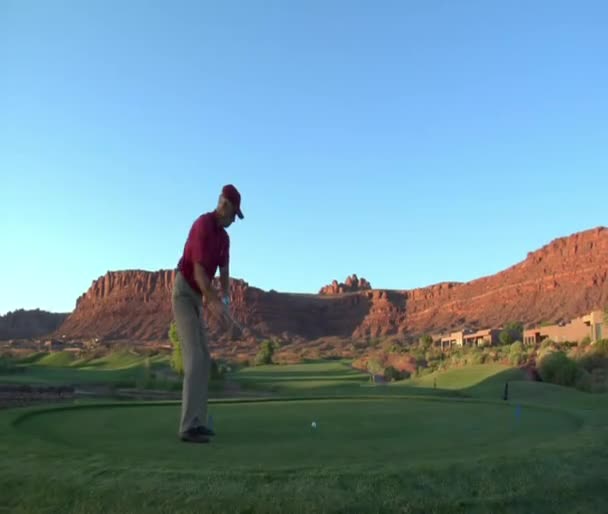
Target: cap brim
point(239, 213)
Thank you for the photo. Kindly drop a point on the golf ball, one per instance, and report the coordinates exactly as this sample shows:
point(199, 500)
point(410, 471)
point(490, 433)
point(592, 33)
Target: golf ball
point(314, 424)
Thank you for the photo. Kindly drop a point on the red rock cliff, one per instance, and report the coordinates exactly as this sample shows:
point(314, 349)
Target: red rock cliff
point(564, 279)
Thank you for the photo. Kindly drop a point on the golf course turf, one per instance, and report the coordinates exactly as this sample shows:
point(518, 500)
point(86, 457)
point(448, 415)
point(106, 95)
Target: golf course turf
point(378, 449)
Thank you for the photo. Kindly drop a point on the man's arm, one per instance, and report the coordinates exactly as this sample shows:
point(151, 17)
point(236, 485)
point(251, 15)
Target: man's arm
point(204, 284)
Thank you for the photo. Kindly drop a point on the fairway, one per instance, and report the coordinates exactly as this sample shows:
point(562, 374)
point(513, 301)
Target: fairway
point(278, 434)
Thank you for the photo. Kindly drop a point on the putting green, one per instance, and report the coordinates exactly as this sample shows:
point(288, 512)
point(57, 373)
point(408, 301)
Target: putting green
point(278, 434)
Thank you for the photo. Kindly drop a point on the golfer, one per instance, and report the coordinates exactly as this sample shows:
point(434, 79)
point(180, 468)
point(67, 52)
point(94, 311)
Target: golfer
point(207, 248)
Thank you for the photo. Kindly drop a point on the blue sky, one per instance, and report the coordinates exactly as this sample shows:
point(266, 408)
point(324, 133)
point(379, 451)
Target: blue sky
point(410, 142)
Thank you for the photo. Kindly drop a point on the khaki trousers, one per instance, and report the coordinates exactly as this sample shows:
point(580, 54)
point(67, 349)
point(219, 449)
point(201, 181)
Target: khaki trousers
point(187, 312)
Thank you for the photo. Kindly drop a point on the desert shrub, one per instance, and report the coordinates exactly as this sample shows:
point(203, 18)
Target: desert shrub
point(584, 381)
point(392, 345)
point(576, 352)
point(544, 352)
point(374, 366)
point(392, 374)
point(420, 358)
point(177, 363)
point(546, 344)
point(264, 355)
point(478, 357)
point(517, 357)
point(593, 359)
point(557, 368)
point(601, 347)
point(426, 342)
point(598, 380)
point(219, 369)
point(585, 342)
point(489, 354)
point(516, 347)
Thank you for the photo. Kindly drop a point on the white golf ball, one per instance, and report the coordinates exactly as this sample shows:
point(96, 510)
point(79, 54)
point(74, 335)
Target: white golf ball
point(314, 424)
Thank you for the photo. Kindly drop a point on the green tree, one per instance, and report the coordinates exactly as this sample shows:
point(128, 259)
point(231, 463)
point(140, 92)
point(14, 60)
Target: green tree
point(392, 374)
point(505, 337)
point(177, 363)
point(426, 341)
point(513, 331)
point(264, 355)
point(374, 366)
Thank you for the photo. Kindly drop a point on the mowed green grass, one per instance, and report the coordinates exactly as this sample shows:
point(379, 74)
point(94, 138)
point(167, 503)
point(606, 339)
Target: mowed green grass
point(279, 434)
point(324, 377)
point(381, 449)
point(465, 377)
point(63, 368)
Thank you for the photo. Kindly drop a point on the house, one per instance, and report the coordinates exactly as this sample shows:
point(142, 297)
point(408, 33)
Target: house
point(453, 339)
point(54, 345)
point(591, 325)
point(486, 337)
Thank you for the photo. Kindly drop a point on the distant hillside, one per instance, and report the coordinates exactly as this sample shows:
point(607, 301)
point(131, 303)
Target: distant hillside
point(24, 324)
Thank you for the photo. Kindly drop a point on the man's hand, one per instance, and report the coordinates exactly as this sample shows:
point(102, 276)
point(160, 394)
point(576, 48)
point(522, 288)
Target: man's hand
point(234, 327)
point(222, 312)
point(215, 305)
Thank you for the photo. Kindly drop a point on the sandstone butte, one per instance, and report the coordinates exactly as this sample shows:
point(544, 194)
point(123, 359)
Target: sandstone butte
point(564, 279)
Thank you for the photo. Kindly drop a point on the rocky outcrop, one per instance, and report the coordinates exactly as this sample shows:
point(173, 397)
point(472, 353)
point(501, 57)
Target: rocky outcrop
point(23, 324)
point(351, 285)
point(562, 280)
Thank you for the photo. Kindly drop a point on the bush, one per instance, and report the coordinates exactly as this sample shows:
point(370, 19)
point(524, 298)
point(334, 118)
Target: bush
point(516, 347)
point(584, 342)
point(426, 341)
point(177, 362)
point(505, 337)
point(392, 374)
point(557, 368)
point(546, 344)
point(584, 381)
point(219, 369)
point(594, 360)
point(517, 358)
point(264, 356)
point(601, 347)
point(512, 332)
point(479, 357)
point(420, 358)
point(374, 366)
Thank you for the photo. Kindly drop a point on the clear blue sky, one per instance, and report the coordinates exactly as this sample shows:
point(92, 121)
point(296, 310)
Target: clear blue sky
point(410, 142)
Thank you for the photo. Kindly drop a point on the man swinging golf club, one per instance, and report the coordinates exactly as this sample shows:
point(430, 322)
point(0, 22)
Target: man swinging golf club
point(206, 248)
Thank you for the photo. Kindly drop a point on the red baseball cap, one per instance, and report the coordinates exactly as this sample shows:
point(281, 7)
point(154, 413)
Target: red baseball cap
point(231, 193)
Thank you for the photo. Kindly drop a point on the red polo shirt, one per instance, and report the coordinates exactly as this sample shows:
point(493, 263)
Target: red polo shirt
point(208, 244)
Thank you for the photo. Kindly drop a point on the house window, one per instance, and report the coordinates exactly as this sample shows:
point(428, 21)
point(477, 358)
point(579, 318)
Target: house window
point(598, 331)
